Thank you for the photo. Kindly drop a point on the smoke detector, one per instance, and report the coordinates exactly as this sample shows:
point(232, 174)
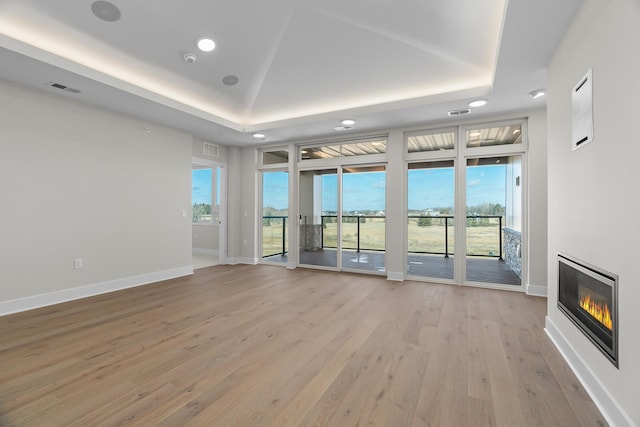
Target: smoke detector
point(190, 58)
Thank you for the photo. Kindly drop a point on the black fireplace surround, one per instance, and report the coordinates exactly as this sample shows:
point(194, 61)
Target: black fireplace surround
point(588, 296)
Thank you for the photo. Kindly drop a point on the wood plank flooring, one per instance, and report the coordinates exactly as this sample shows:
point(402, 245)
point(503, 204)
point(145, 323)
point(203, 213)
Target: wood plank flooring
point(267, 346)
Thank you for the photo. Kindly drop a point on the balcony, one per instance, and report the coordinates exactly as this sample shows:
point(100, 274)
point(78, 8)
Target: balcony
point(431, 246)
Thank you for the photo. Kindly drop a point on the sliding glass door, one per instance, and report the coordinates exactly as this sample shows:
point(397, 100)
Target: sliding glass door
point(363, 218)
point(431, 221)
point(318, 220)
point(493, 220)
point(342, 222)
point(465, 217)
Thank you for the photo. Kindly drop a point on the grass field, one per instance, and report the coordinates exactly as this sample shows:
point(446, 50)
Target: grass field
point(481, 240)
point(272, 238)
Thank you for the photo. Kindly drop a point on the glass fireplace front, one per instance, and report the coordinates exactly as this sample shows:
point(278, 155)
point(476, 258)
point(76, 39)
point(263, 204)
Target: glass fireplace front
point(588, 296)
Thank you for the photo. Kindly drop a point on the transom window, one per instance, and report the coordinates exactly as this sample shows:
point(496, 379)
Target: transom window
point(275, 157)
point(344, 149)
point(421, 142)
point(499, 135)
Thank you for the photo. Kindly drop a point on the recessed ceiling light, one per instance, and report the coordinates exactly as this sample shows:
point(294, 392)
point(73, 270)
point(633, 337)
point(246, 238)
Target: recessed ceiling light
point(230, 80)
point(538, 93)
point(206, 45)
point(478, 103)
point(106, 11)
point(348, 122)
point(258, 135)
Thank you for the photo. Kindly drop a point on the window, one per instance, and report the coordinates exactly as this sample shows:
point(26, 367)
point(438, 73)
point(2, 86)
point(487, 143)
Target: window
point(275, 157)
point(201, 195)
point(421, 142)
point(345, 149)
point(499, 135)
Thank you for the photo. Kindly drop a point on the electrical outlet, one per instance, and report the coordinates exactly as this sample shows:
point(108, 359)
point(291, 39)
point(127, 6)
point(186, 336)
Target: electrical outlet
point(77, 263)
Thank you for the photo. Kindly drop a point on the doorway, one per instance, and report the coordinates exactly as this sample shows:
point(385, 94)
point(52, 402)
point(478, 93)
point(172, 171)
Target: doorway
point(342, 221)
point(465, 204)
point(430, 219)
point(274, 232)
point(493, 220)
point(208, 213)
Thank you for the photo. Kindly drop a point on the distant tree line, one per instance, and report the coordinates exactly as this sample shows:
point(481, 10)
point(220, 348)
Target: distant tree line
point(484, 209)
point(201, 210)
point(271, 211)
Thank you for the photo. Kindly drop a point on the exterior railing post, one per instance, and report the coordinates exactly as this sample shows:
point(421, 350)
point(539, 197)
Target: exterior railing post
point(500, 234)
point(446, 237)
point(358, 234)
point(284, 228)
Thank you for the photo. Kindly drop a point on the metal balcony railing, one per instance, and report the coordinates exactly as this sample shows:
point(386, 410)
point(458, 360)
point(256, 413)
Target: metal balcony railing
point(267, 221)
point(360, 220)
point(472, 221)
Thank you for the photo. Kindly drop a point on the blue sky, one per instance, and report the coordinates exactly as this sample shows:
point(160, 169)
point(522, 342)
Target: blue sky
point(428, 188)
point(275, 186)
point(434, 188)
point(201, 186)
point(486, 184)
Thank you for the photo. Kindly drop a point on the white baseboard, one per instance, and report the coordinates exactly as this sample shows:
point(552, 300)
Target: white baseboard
point(57, 297)
point(241, 260)
point(203, 251)
point(608, 406)
point(536, 291)
point(397, 276)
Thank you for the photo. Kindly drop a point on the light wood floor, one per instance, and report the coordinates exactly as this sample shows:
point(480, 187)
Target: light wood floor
point(263, 346)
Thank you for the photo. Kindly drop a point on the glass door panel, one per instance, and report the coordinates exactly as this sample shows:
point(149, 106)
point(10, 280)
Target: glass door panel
point(275, 216)
point(430, 222)
point(319, 228)
point(494, 208)
point(363, 218)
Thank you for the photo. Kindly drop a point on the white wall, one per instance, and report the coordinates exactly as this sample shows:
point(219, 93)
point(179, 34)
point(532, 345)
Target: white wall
point(198, 151)
point(593, 204)
point(80, 182)
point(537, 203)
point(514, 193)
point(243, 211)
point(205, 238)
point(396, 207)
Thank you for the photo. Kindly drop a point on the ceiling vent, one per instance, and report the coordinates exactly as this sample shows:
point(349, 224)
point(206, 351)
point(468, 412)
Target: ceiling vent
point(210, 149)
point(455, 113)
point(342, 127)
point(63, 87)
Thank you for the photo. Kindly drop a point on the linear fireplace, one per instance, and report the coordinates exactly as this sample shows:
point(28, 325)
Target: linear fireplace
point(588, 296)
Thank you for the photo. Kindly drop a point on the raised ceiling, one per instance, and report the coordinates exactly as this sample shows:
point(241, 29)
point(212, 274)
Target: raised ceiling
point(301, 65)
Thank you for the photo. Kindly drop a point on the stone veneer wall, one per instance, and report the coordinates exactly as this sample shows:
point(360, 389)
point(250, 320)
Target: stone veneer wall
point(512, 252)
point(311, 237)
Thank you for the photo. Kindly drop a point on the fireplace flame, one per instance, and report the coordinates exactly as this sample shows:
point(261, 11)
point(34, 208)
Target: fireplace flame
point(599, 311)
